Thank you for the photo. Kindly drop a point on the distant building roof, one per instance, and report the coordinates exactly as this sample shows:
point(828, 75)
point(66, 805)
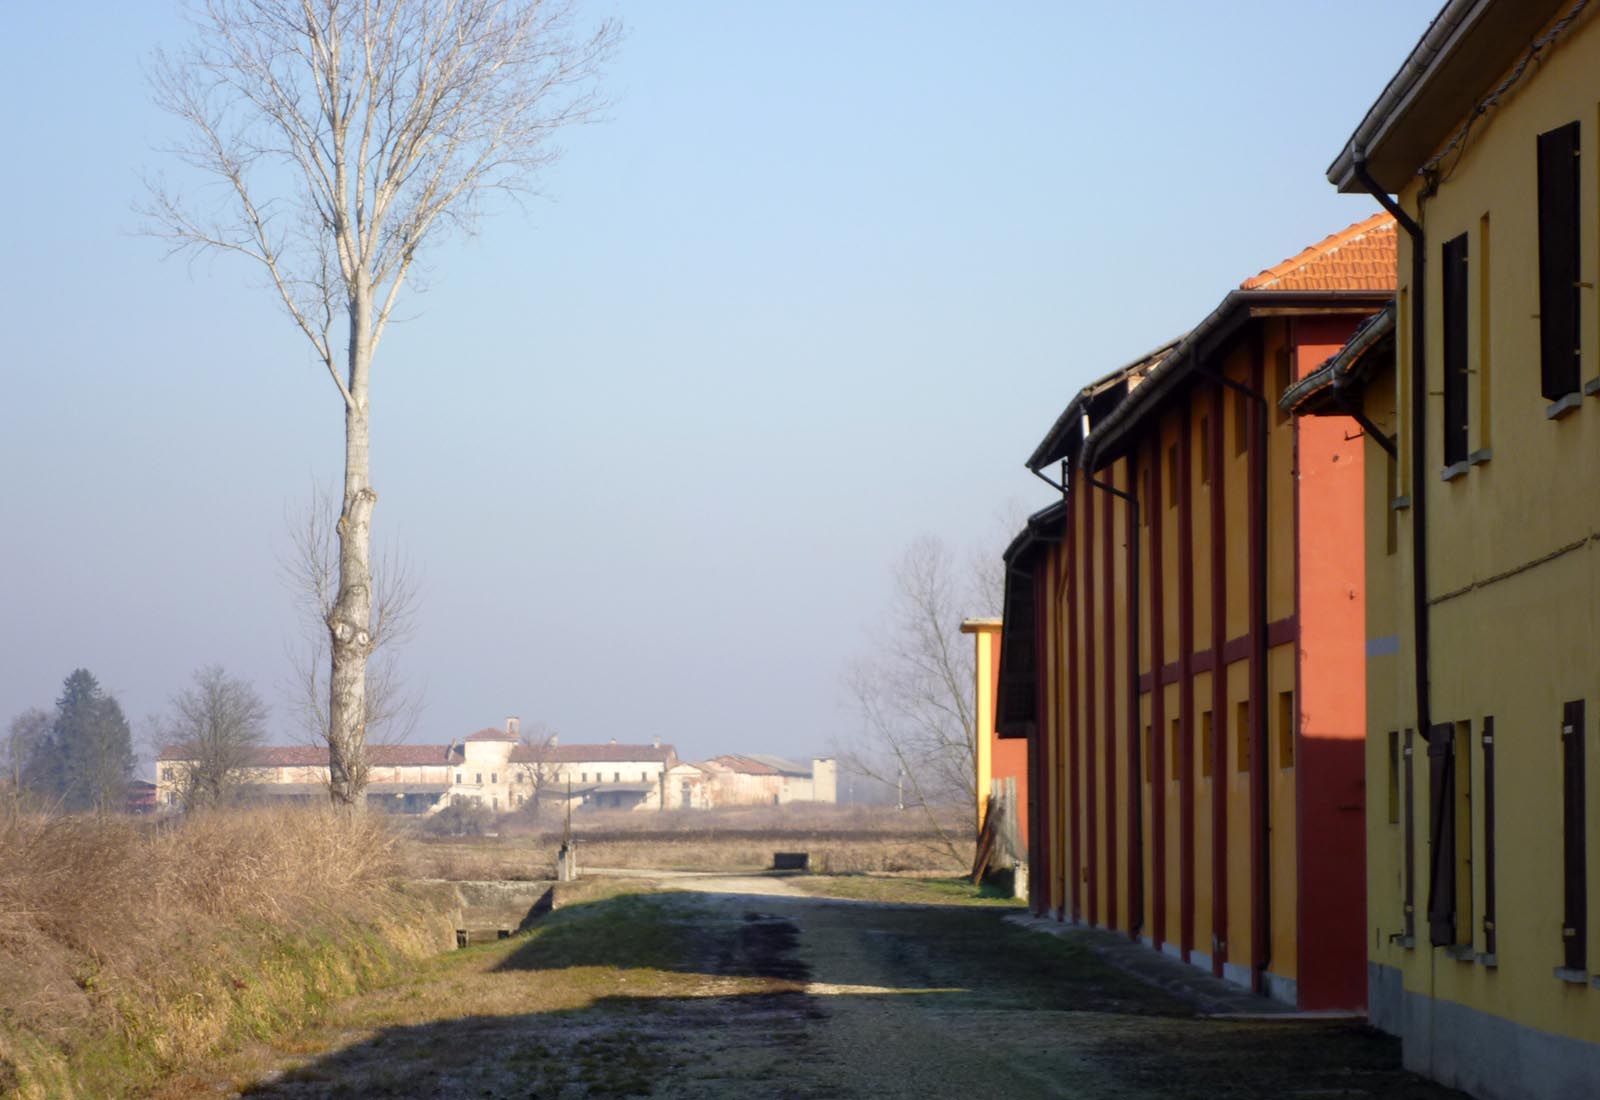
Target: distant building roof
point(315, 756)
point(492, 733)
point(759, 764)
point(612, 753)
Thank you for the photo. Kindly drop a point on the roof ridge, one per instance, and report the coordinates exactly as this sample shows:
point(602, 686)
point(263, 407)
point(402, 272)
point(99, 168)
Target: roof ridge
point(1382, 221)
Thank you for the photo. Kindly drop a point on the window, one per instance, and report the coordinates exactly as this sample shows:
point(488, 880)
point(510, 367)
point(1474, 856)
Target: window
point(1559, 273)
point(1207, 743)
point(1285, 373)
point(1454, 277)
point(616, 777)
point(1286, 729)
point(166, 775)
point(644, 777)
point(479, 779)
point(1409, 862)
point(1488, 837)
point(1394, 777)
point(1575, 925)
point(1463, 845)
point(1241, 736)
point(1484, 358)
point(1205, 450)
point(494, 777)
point(458, 777)
point(1174, 736)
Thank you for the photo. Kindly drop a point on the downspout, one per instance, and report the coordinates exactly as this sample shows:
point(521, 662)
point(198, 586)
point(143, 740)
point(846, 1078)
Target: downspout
point(1419, 426)
point(1262, 918)
point(1136, 769)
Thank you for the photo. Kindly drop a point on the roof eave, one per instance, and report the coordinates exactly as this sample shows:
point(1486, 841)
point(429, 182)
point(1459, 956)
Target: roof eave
point(1230, 315)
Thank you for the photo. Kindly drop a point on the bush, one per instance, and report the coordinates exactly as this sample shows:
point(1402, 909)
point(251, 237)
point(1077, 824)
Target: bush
point(460, 819)
point(131, 948)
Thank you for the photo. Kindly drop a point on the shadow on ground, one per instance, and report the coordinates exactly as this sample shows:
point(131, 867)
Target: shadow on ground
point(761, 996)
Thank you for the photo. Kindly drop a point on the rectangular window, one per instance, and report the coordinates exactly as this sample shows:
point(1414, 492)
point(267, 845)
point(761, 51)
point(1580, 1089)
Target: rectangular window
point(1207, 743)
point(1286, 729)
point(1241, 736)
point(1205, 450)
point(494, 777)
point(1410, 856)
point(616, 777)
point(1559, 272)
point(584, 778)
point(1463, 777)
point(644, 777)
point(1488, 836)
point(458, 777)
point(1484, 359)
point(1391, 517)
point(1285, 373)
point(1575, 925)
point(1173, 755)
point(166, 775)
point(1394, 777)
point(479, 779)
point(1442, 835)
point(1454, 277)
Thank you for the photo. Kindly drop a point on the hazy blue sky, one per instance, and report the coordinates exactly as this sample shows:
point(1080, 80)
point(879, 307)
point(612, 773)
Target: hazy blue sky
point(654, 442)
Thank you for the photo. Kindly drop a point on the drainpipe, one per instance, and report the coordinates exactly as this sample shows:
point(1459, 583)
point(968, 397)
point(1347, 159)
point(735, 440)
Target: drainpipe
point(1136, 776)
point(1258, 690)
point(1419, 426)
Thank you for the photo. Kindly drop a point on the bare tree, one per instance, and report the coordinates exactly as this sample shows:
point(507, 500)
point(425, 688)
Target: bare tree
point(345, 136)
point(27, 737)
point(915, 693)
point(214, 727)
point(311, 573)
point(537, 766)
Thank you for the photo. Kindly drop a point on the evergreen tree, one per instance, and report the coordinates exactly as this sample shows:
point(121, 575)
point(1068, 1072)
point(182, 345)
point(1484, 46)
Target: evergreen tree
point(87, 760)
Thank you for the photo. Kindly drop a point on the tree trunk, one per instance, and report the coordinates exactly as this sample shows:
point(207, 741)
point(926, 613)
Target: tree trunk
point(349, 622)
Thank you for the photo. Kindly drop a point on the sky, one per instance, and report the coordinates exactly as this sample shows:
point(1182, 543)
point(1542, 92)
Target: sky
point(653, 440)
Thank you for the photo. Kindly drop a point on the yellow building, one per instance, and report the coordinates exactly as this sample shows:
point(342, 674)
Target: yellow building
point(1483, 548)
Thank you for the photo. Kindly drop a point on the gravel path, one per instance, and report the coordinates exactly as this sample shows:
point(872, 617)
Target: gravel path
point(743, 987)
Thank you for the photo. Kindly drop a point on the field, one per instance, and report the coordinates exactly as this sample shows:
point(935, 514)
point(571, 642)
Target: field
point(838, 840)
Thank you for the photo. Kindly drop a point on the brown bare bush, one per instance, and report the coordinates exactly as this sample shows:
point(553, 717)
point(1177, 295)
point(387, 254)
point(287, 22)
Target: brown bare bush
point(152, 943)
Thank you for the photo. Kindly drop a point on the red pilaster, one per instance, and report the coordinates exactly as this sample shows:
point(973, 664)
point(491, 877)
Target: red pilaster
point(1155, 502)
point(1220, 725)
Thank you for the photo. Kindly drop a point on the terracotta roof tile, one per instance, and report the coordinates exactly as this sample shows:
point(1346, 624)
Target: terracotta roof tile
point(491, 733)
point(591, 754)
point(1361, 257)
point(313, 756)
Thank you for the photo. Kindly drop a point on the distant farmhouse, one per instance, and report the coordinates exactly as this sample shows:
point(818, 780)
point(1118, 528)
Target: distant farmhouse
point(496, 769)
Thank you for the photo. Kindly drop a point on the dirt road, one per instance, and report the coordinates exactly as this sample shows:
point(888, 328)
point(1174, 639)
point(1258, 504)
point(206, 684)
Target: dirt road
point(746, 987)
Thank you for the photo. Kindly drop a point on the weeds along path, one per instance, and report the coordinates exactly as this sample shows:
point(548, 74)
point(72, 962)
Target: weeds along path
point(746, 986)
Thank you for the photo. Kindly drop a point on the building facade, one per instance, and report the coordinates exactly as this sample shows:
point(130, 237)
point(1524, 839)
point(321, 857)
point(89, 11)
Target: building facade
point(1001, 763)
point(1183, 642)
point(1483, 549)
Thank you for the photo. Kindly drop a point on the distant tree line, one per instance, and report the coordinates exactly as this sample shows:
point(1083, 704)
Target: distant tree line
point(80, 758)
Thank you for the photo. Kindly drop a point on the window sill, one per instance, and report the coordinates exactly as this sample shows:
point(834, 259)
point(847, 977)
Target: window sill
point(1407, 942)
point(1454, 470)
point(1461, 952)
point(1563, 407)
point(1478, 458)
point(1592, 387)
point(1400, 504)
point(1572, 977)
point(1489, 960)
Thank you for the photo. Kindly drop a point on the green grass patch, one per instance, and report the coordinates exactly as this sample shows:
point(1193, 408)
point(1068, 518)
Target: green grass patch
point(905, 890)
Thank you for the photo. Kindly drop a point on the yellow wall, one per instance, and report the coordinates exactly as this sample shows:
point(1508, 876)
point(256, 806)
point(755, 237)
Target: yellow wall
point(1514, 564)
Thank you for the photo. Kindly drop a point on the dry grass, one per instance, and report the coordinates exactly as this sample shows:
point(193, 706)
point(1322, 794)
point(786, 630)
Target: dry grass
point(839, 839)
point(131, 948)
